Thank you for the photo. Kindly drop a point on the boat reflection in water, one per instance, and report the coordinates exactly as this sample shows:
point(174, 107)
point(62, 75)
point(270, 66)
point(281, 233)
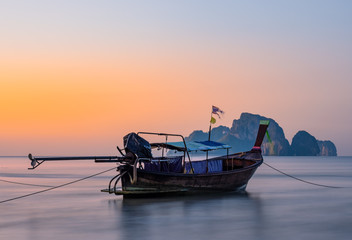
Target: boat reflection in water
point(207, 216)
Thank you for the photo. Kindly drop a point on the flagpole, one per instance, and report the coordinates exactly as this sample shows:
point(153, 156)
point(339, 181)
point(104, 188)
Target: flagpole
point(207, 152)
point(211, 115)
point(214, 110)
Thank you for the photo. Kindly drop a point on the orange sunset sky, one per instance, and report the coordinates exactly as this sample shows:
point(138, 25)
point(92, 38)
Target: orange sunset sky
point(76, 76)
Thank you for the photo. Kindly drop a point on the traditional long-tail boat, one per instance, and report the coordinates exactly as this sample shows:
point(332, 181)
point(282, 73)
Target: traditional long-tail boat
point(141, 174)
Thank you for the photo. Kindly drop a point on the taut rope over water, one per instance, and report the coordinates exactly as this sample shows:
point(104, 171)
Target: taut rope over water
point(27, 184)
point(296, 178)
point(59, 186)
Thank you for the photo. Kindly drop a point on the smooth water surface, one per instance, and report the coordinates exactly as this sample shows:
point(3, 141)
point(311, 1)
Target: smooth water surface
point(274, 206)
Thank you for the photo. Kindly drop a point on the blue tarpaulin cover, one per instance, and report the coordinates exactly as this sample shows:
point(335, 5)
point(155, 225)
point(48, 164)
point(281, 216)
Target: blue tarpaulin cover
point(199, 167)
point(170, 164)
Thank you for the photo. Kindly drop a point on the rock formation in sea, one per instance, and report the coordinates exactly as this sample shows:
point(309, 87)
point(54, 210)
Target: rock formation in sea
point(197, 135)
point(327, 148)
point(241, 137)
point(246, 128)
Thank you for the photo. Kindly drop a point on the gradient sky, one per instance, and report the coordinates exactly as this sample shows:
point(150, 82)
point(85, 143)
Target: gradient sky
point(76, 76)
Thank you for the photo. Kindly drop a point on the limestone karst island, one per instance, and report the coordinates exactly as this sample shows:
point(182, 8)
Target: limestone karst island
point(243, 131)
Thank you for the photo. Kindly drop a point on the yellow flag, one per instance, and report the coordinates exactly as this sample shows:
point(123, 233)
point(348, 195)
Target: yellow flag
point(212, 120)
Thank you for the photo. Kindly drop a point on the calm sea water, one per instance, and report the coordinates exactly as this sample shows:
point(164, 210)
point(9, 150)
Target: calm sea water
point(274, 206)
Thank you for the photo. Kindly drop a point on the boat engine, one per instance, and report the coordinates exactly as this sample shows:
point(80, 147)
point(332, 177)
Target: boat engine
point(136, 145)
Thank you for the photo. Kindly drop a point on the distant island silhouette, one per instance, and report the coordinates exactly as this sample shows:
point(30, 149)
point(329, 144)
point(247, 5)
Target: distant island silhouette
point(241, 137)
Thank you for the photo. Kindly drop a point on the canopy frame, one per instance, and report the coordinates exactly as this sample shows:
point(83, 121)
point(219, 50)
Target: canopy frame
point(187, 147)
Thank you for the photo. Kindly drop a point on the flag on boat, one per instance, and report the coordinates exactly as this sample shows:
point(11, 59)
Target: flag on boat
point(212, 120)
point(267, 135)
point(218, 112)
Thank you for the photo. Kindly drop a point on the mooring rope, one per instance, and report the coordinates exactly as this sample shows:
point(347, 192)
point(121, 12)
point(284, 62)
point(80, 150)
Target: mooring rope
point(27, 184)
point(299, 179)
point(59, 186)
point(81, 179)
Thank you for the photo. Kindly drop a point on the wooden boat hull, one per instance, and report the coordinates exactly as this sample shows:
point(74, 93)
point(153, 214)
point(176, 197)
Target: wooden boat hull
point(156, 183)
